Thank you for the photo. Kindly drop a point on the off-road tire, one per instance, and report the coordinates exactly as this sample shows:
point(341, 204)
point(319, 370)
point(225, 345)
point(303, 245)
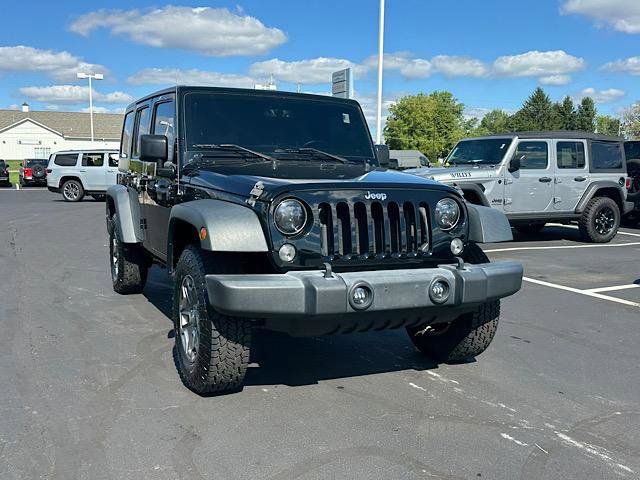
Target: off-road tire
point(67, 196)
point(222, 355)
point(529, 228)
point(467, 336)
point(587, 222)
point(132, 263)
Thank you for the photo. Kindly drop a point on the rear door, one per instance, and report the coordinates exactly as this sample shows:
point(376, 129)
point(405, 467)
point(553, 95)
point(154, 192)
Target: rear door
point(572, 174)
point(530, 189)
point(92, 171)
point(111, 170)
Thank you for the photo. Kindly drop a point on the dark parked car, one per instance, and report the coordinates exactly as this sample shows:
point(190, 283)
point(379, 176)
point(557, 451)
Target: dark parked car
point(632, 152)
point(34, 172)
point(273, 210)
point(4, 173)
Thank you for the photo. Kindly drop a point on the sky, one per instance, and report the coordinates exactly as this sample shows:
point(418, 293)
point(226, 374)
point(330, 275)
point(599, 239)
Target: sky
point(489, 54)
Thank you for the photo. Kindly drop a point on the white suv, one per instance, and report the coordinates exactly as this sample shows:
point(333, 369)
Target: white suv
point(76, 173)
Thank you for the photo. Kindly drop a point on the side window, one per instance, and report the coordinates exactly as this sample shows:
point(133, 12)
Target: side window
point(143, 120)
point(127, 133)
point(570, 154)
point(164, 124)
point(113, 159)
point(606, 156)
point(92, 159)
point(66, 159)
point(536, 155)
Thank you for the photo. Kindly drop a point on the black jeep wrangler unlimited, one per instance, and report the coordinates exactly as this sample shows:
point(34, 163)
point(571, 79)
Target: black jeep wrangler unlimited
point(272, 210)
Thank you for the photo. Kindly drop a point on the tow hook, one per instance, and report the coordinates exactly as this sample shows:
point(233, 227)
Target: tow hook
point(328, 273)
point(424, 331)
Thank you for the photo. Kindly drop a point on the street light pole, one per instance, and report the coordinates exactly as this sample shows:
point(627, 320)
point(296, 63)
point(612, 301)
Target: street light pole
point(380, 70)
point(90, 76)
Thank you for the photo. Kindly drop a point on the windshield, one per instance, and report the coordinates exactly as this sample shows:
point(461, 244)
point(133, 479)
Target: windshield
point(479, 152)
point(282, 127)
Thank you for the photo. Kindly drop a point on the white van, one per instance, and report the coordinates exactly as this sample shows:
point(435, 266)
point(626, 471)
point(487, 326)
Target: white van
point(76, 173)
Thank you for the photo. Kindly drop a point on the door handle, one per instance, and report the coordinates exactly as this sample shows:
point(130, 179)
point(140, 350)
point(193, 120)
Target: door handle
point(545, 179)
point(580, 179)
point(83, 171)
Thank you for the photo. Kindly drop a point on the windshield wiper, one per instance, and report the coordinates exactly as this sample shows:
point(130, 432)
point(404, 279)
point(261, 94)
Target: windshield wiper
point(234, 148)
point(315, 150)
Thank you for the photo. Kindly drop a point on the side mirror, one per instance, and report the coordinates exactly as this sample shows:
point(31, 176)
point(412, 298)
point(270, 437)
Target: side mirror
point(516, 163)
point(153, 148)
point(382, 153)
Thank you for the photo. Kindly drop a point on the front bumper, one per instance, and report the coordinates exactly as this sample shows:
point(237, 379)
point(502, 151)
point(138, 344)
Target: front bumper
point(310, 294)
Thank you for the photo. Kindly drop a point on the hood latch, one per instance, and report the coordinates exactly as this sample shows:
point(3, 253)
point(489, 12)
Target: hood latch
point(255, 193)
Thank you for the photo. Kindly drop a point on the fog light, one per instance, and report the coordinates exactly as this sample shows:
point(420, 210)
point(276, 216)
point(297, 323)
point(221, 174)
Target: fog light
point(361, 296)
point(456, 246)
point(287, 252)
point(439, 290)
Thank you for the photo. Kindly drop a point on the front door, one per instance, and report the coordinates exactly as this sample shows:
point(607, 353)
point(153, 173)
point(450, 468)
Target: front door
point(530, 189)
point(161, 191)
point(92, 171)
point(572, 174)
point(111, 172)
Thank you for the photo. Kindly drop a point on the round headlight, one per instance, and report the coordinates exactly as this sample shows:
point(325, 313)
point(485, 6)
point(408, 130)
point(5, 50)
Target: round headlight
point(447, 213)
point(290, 216)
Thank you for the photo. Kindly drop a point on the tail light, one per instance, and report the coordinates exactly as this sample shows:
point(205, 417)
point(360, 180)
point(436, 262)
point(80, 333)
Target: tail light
point(627, 183)
point(27, 172)
point(48, 170)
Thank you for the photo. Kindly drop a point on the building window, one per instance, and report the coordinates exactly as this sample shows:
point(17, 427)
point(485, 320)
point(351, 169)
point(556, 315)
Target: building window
point(41, 152)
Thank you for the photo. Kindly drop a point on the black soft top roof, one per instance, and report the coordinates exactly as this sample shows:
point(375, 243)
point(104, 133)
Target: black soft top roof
point(579, 135)
point(179, 89)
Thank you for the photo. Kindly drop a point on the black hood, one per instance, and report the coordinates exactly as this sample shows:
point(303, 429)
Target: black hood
point(240, 179)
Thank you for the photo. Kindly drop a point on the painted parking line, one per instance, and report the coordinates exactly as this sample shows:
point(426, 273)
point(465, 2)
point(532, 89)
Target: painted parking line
point(563, 247)
point(587, 293)
point(614, 288)
point(575, 227)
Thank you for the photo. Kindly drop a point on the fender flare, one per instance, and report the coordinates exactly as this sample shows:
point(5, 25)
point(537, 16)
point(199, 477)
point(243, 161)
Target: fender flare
point(127, 207)
point(475, 188)
point(488, 225)
point(230, 227)
point(594, 187)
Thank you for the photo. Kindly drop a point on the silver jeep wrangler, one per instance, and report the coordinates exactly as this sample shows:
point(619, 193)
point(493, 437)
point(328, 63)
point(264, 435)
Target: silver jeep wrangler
point(541, 177)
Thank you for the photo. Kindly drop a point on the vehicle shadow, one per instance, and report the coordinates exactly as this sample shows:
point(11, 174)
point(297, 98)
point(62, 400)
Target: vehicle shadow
point(279, 359)
point(548, 233)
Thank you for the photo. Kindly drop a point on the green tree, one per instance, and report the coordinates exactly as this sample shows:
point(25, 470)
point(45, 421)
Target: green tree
point(536, 113)
point(607, 125)
point(565, 115)
point(496, 121)
point(631, 121)
point(431, 123)
point(586, 115)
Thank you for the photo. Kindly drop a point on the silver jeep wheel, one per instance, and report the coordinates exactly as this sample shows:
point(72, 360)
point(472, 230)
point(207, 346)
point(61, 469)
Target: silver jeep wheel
point(605, 221)
point(71, 191)
point(115, 256)
point(189, 313)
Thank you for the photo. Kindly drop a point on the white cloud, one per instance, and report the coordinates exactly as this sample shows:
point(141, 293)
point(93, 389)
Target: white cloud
point(555, 80)
point(209, 31)
point(103, 110)
point(414, 68)
point(601, 96)
point(72, 94)
point(622, 15)
point(454, 66)
point(629, 65)
point(173, 76)
point(475, 112)
point(58, 65)
point(550, 66)
point(308, 72)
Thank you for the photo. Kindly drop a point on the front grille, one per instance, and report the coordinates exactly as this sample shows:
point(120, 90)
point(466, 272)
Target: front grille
point(373, 229)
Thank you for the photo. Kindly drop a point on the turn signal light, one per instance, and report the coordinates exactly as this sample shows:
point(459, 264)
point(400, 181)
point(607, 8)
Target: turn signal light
point(627, 183)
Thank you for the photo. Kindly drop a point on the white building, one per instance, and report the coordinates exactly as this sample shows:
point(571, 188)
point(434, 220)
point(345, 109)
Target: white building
point(27, 134)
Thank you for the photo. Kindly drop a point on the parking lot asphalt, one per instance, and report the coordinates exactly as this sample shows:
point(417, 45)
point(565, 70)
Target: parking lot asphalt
point(89, 389)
